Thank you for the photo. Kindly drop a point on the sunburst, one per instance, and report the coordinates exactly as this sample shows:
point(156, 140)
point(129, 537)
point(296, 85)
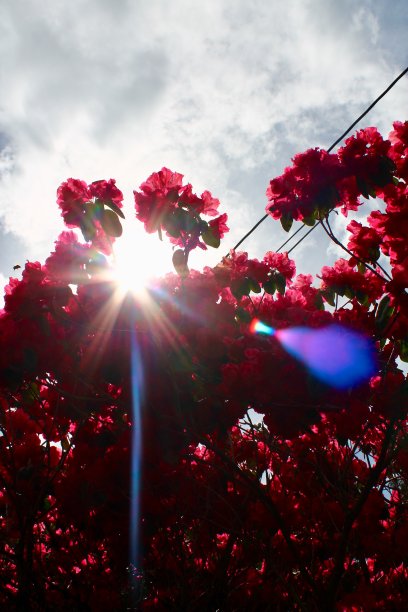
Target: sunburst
point(138, 259)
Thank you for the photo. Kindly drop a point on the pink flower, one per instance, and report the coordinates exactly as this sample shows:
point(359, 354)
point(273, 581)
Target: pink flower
point(71, 198)
point(365, 241)
point(219, 226)
point(106, 191)
point(281, 262)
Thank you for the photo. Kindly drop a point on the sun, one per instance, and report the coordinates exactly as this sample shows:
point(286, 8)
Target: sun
point(138, 259)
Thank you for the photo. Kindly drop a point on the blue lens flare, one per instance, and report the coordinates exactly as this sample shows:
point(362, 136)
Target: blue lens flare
point(136, 450)
point(338, 356)
point(257, 327)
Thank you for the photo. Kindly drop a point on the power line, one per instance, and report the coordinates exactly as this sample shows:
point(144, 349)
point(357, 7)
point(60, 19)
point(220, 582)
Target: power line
point(302, 238)
point(250, 232)
point(290, 238)
point(368, 109)
point(328, 150)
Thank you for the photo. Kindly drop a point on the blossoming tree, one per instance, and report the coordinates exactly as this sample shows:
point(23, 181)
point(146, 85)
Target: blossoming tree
point(156, 453)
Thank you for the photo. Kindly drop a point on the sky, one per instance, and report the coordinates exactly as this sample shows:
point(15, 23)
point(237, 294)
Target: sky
point(223, 91)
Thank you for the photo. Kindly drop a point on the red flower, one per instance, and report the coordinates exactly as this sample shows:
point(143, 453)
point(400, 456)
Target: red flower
point(399, 137)
point(255, 502)
point(210, 204)
point(219, 226)
point(306, 186)
point(68, 261)
point(280, 262)
point(367, 165)
point(71, 198)
point(158, 197)
point(165, 204)
point(344, 280)
point(365, 241)
point(106, 191)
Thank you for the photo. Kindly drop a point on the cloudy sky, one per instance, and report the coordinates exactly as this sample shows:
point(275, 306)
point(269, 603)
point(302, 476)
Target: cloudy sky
point(223, 91)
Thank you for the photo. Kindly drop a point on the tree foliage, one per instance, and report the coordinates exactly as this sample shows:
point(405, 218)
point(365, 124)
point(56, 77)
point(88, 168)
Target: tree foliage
point(157, 454)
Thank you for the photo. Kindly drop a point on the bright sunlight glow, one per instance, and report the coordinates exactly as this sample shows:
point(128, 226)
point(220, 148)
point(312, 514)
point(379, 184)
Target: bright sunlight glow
point(138, 259)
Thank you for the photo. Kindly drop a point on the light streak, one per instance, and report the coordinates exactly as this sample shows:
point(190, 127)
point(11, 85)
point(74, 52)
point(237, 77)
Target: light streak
point(136, 451)
point(336, 355)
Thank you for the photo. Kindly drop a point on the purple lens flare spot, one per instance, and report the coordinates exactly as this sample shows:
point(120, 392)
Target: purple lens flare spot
point(336, 355)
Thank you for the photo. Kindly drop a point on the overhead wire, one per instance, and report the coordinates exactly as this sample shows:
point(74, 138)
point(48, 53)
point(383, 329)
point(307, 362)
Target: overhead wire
point(336, 142)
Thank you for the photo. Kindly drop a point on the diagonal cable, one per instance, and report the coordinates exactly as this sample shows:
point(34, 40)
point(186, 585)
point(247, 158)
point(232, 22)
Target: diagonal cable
point(258, 223)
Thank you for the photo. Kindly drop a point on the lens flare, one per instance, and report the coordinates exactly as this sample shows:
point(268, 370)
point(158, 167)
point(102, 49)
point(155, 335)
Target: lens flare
point(257, 327)
point(138, 260)
point(136, 451)
point(337, 356)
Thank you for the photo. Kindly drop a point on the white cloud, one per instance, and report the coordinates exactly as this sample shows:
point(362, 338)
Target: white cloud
point(3, 283)
point(223, 91)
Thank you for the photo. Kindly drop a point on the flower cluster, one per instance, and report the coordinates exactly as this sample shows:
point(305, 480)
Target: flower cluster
point(318, 182)
point(306, 188)
point(344, 279)
point(365, 241)
point(260, 487)
point(399, 150)
point(165, 204)
point(93, 208)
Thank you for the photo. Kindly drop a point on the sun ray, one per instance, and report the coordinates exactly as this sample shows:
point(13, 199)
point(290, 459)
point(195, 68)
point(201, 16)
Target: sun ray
point(138, 259)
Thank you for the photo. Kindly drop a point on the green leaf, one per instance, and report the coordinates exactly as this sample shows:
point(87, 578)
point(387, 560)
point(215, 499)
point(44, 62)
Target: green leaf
point(46, 504)
point(254, 285)
point(65, 445)
point(383, 308)
point(363, 187)
point(403, 352)
point(280, 281)
point(374, 254)
point(180, 263)
point(362, 298)
point(246, 286)
point(329, 296)
point(159, 232)
point(319, 301)
point(210, 238)
point(191, 223)
point(242, 315)
point(240, 287)
point(96, 209)
point(349, 293)
point(286, 222)
point(235, 288)
point(97, 264)
point(326, 199)
point(179, 220)
point(310, 221)
point(384, 174)
point(87, 226)
point(31, 393)
point(111, 224)
point(270, 286)
point(171, 226)
point(115, 208)
point(383, 314)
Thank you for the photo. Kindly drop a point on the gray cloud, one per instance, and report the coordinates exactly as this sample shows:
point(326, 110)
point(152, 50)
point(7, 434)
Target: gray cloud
point(12, 252)
point(224, 91)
